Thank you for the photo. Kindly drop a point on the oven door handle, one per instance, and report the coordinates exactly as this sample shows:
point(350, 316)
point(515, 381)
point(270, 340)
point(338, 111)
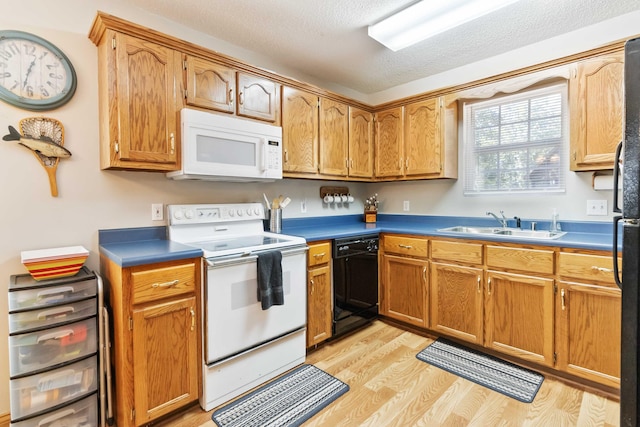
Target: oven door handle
point(224, 262)
point(250, 257)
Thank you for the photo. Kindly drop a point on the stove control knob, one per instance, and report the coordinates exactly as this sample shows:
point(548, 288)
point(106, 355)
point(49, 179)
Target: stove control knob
point(256, 211)
point(232, 212)
point(240, 212)
point(188, 214)
point(177, 214)
point(249, 212)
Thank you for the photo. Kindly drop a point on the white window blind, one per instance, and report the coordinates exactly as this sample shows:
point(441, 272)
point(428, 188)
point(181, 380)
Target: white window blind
point(516, 143)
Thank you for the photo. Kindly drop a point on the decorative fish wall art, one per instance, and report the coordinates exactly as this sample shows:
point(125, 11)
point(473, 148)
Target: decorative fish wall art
point(45, 138)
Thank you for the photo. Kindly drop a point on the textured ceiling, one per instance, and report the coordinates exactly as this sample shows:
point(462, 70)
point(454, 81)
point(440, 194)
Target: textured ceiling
point(327, 39)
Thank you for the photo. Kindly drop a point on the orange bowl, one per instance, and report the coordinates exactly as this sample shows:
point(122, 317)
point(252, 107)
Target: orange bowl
point(45, 264)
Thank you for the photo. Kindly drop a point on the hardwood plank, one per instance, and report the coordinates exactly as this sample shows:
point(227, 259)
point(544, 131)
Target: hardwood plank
point(389, 386)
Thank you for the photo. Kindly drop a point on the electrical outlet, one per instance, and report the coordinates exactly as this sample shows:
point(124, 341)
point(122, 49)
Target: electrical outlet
point(597, 207)
point(303, 206)
point(406, 206)
point(157, 212)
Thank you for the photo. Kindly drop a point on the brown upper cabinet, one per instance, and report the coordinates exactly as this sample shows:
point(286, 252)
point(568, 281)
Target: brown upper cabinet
point(218, 87)
point(418, 141)
point(596, 98)
point(334, 138)
point(146, 78)
point(210, 85)
point(431, 138)
point(300, 132)
point(322, 137)
point(389, 143)
point(138, 86)
point(360, 143)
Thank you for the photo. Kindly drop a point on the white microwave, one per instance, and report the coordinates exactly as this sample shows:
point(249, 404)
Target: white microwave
point(228, 148)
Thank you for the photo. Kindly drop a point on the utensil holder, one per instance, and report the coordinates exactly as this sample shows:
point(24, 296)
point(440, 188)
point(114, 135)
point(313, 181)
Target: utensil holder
point(275, 220)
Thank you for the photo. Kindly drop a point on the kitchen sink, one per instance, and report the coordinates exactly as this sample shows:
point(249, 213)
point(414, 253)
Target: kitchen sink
point(505, 232)
point(471, 230)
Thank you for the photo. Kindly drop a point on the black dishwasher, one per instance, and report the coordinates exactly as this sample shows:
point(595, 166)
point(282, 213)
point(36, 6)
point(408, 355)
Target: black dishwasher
point(355, 282)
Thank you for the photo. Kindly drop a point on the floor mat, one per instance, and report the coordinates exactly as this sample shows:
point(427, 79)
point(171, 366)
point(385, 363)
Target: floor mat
point(287, 401)
point(503, 377)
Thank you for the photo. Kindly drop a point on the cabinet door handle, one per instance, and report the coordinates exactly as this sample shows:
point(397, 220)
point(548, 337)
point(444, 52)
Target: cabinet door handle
point(406, 163)
point(489, 286)
point(312, 286)
point(479, 290)
point(562, 299)
point(320, 255)
point(230, 96)
point(405, 246)
point(351, 163)
point(165, 284)
point(240, 98)
point(286, 156)
point(601, 269)
point(172, 142)
point(193, 319)
point(424, 274)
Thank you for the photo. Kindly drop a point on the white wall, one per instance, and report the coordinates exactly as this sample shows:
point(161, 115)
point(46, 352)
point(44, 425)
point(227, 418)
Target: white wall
point(90, 199)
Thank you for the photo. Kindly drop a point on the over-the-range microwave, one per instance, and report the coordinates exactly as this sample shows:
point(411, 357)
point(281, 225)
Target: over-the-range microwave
point(228, 148)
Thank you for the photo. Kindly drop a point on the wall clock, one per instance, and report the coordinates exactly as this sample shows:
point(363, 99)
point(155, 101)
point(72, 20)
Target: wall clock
point(34, 74)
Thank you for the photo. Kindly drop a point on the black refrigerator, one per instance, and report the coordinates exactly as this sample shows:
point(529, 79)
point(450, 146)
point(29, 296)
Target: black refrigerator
point(627, 225)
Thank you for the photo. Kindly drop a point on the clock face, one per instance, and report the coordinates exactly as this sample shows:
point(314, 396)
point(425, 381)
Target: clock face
point(34, 74)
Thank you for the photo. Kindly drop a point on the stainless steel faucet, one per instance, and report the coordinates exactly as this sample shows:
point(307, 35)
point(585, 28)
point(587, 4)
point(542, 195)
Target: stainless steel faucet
point(502, 221)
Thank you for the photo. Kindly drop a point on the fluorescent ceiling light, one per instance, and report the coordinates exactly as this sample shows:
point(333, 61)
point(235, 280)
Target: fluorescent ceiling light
point(428, 18)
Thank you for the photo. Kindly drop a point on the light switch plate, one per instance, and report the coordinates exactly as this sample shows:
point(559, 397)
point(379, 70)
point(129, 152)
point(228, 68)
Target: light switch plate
point(406, 206)
point(157, 212)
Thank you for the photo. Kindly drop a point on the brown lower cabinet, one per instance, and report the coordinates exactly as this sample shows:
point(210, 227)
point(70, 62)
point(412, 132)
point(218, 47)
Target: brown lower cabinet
point(457, 301)
point(404, 279)
point(405, 289)
point(519, 316)
point(319, 311)
point(588, 307)
point(550, 306)
point(156, 329)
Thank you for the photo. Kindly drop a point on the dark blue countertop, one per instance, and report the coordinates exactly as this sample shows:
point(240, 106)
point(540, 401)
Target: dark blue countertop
point(582, 235)
point(128, 247)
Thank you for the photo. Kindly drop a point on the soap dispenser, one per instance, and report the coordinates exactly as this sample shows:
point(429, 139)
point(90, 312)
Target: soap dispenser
point(555, 225)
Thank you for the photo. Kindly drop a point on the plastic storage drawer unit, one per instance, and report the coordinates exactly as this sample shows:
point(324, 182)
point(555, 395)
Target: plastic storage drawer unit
point(35, 351)
point(83, 413)
point(55, 348)
point(37, 393)
point(50, 316)
point(26, 293)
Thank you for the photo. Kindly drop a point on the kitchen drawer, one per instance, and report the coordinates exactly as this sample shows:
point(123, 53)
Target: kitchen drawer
point(319, 253)
point(44, 296)
point(39, 350)
point(531, 260)
point(25, 321)
point(587, 268)
point(83, 413)
point(469, 253)
point(149, 283)
point(36, 393)
point(402, 245)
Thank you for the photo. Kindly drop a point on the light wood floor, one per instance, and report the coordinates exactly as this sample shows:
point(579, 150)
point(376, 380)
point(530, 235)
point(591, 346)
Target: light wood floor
point(390, 387)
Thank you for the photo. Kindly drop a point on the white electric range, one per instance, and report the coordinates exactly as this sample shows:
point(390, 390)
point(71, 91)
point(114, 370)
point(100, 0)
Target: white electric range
point(243, 345)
